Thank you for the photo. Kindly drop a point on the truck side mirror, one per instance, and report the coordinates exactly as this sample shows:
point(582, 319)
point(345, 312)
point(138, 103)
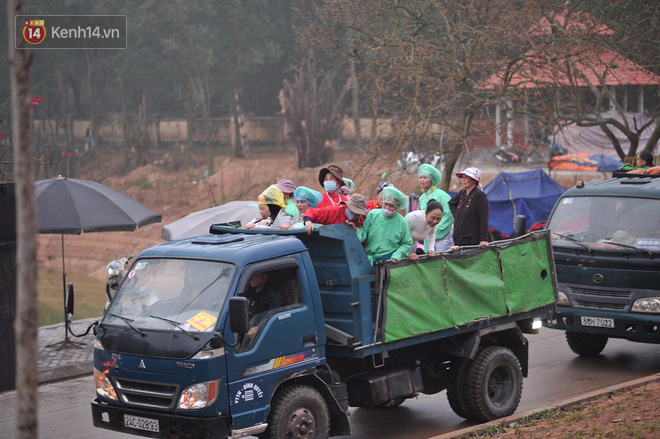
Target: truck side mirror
point(68, 303)
point(239, 318)
point(519, 226)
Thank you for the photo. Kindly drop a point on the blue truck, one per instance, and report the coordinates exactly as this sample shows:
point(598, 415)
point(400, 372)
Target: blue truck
point(606, 241)
point(178, 353)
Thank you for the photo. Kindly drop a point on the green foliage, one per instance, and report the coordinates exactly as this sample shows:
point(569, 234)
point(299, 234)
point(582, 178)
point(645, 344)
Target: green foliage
point(177, 50)
point(141, 183)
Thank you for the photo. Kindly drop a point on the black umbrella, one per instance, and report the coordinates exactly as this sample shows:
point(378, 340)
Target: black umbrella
point(67, 206)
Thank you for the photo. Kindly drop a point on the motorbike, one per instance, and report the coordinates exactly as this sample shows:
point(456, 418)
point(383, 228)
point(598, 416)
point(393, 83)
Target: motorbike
point(411, 161)
point(503, 155)
point(116, 271)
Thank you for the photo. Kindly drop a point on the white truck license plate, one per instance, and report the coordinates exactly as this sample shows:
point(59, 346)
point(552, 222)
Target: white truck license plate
point(600, 322)
point(141, 423)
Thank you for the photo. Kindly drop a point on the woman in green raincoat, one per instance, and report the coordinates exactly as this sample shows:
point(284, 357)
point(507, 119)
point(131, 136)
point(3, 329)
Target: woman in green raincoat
point(386, 233)
point(429, 177)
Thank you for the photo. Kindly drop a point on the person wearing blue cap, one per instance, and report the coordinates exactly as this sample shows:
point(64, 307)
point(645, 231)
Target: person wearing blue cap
point(305, 198)
point(386, 233)
point(429, 177)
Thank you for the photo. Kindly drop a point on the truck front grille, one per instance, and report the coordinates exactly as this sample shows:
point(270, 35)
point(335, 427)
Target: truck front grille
point(601, 298)
point(147, 394)
point(622, 294)
point(612, 306)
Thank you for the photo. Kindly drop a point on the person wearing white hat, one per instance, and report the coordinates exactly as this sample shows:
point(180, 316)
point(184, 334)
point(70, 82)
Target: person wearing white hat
point(470, 209)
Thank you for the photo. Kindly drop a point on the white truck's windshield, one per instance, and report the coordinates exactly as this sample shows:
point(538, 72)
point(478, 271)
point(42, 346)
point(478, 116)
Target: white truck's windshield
point(607, 222)
point(171, 294)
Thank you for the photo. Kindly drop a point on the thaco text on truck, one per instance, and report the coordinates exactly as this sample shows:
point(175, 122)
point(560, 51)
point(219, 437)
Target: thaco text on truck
point(606, 241)
point(177, 355)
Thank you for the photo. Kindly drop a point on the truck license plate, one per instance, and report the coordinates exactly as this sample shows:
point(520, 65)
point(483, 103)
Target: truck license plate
point(141, 423)
point(600, 322)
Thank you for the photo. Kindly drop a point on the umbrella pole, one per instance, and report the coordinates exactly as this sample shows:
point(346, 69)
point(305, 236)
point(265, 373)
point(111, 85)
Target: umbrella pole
point(66, 341)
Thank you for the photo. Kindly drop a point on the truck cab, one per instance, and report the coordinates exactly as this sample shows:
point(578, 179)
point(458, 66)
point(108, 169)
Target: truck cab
point(606, 244)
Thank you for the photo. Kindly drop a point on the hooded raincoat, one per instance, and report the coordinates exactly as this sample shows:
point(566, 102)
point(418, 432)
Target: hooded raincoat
point(386, 235)
point(442, 197)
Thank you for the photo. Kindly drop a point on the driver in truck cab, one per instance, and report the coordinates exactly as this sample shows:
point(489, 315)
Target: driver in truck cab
point(262, 297)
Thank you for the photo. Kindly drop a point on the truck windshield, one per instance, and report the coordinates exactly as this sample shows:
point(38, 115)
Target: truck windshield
point(603, 222)
point(172, 294)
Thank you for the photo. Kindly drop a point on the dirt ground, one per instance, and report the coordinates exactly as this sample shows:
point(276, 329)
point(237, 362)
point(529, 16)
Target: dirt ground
point(632, 412)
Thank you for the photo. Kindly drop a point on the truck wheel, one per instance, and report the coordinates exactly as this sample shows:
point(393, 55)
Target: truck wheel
point(456, 388)
point(494, 384)
point(586, 345)
point(298, 412)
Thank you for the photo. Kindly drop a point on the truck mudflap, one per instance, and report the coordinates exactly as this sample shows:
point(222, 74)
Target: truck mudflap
point(614, 324)
point(159, 425)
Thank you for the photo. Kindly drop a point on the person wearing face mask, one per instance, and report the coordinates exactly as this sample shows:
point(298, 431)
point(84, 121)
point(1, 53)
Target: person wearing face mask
point(306, 198)
point(378, 202)
point(350, 212)
point(290, 211)
point(386, 233)
point(332, 178)
point(422, 225)
point(429, 177)
point(348, 189)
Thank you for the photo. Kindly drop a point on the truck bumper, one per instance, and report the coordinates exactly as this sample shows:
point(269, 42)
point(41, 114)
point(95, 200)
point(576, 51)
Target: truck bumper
point(630, 326)
point(169, 425)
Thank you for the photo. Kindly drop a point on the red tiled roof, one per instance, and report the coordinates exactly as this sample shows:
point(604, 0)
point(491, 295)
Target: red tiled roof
point(538, 72)
point(545, 67)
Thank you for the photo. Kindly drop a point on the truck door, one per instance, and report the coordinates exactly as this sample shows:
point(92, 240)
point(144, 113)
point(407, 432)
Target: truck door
point(282, 339)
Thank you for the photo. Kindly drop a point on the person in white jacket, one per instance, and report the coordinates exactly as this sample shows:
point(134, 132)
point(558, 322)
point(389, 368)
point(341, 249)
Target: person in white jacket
point(422, 227)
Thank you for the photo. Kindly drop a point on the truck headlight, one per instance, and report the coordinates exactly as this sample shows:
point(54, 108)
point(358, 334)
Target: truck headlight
point(207, 355)
point(199, 395)
point(104, 387)
point(649, 304)
point(562, 299)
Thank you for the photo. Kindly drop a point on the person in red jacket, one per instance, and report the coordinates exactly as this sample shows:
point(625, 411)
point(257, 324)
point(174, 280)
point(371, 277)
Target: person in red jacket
point(351, 212)
point(332, 178)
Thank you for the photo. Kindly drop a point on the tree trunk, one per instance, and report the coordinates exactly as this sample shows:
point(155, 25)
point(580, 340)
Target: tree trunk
point(190, 128)
point(243, 145)
point(143, 144)
point(124, 125)
point(26, 254)
point(206, 115)
point(95, 128)
point(355, 95)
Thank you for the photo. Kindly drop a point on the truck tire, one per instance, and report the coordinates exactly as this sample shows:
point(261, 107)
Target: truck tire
point(586, 345)
point(298, 412)
point(456, 388)
point(494, 384)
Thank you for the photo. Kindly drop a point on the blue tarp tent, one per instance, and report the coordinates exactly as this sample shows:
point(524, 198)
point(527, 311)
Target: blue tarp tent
point(531, 193)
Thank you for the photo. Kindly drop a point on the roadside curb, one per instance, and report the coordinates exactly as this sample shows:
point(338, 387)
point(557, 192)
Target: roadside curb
point(565, 404)
point(66, 372)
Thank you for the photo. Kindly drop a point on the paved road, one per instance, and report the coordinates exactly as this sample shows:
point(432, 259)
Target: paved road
point(555, 374)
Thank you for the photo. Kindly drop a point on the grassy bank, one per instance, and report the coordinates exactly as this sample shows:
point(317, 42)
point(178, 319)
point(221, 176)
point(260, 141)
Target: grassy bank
point(89, 295)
